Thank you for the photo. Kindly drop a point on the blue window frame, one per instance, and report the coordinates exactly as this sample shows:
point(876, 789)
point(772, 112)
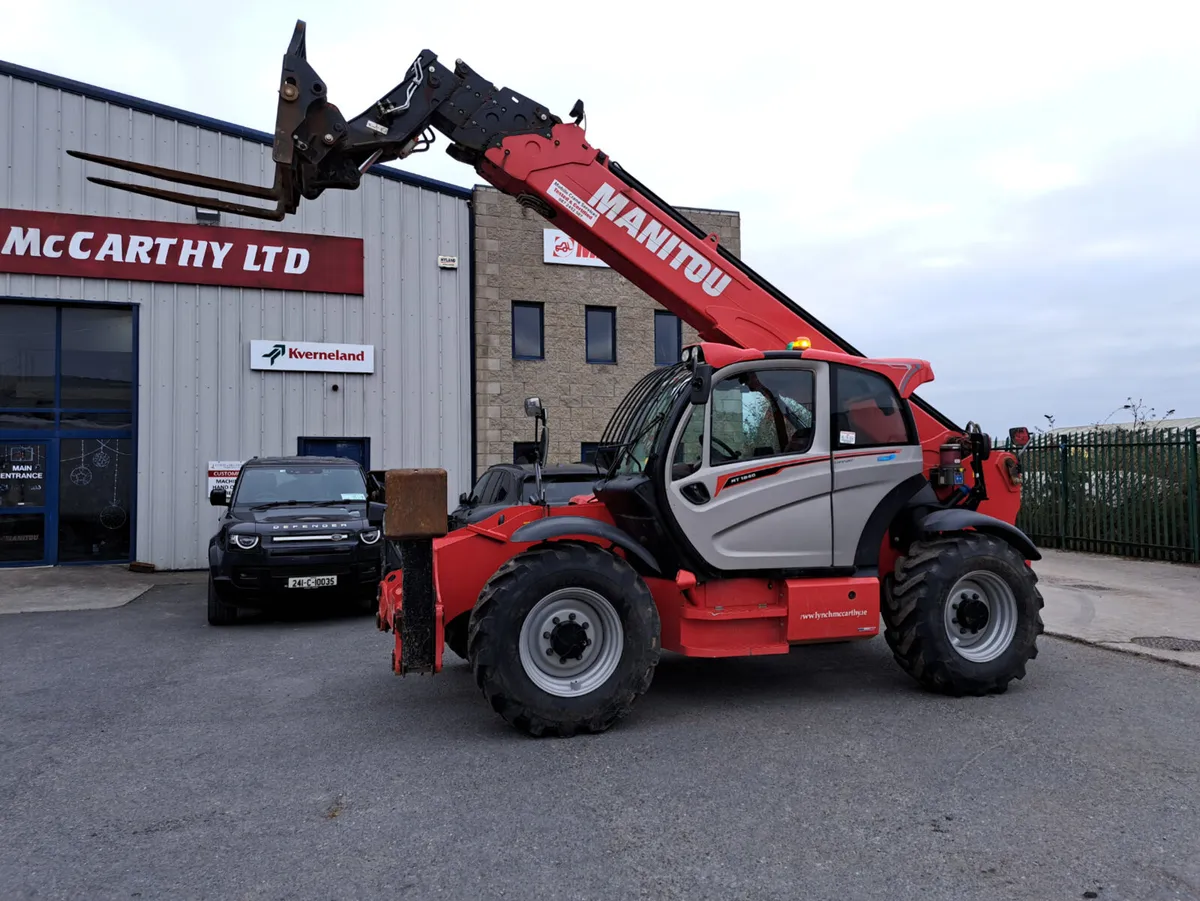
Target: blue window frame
point(668, 338)
point(528, 330)
point(601, 334)
point(68, 425)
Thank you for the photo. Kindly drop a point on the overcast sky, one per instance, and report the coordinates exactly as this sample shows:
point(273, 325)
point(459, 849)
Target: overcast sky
point(1012, 195)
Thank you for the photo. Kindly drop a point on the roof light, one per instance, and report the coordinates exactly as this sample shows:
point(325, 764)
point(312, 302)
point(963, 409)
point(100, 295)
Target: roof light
point(800, 344)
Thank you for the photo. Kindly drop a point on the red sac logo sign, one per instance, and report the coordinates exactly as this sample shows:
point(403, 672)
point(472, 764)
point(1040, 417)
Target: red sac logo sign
point(64, 244)
point(559, 247)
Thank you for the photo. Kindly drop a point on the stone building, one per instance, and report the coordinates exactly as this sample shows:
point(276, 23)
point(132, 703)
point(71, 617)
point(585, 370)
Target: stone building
point(553, 321)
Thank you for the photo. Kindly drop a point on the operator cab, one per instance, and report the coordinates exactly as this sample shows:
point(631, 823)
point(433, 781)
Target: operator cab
point(738, 461)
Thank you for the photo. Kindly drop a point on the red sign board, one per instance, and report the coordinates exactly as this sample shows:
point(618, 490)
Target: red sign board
point(38, 243)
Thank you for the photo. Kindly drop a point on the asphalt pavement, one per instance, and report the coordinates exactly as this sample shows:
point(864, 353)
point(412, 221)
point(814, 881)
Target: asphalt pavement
point(144, 754)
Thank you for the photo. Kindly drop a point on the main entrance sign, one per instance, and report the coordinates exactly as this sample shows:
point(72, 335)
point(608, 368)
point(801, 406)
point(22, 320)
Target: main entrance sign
point(64, 244)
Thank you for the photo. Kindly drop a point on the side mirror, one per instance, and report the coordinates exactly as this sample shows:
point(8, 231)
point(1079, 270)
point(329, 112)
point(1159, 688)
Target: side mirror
point(375, 512)
point(464, 498)
point(1019, 436)
point(219, 497)
point(533, 407)
point(701, 384)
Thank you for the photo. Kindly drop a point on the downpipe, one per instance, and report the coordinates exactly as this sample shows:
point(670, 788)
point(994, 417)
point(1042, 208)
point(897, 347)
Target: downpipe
point(408, 599)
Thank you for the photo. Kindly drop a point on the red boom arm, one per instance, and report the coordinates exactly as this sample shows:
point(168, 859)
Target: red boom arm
point(549, 165)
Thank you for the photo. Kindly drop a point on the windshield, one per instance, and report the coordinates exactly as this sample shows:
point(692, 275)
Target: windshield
point(300, 484)
point(559, 491)
point(642, 414)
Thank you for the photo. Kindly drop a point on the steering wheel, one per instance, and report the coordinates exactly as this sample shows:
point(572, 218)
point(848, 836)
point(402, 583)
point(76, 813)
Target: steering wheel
point(729, 451)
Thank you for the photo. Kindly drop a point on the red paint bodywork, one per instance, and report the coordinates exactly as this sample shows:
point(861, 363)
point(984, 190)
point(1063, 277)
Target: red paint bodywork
point(737, 319)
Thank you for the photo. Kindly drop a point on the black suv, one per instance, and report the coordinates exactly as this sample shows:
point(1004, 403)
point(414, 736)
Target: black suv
point(295, 527)
point(506, 484)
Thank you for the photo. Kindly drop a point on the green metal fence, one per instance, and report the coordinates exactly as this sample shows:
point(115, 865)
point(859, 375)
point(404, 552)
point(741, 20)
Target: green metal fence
point(1131, 493)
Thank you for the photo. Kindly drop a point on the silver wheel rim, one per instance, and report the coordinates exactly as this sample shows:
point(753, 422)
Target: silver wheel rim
point(574, 621)
point(981, 616)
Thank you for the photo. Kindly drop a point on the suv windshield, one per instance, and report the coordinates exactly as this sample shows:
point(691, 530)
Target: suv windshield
point(300, 484)
point(559, 491)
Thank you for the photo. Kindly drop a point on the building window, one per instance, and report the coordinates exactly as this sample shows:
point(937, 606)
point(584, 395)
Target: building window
point(587, 451)
point(528, 331)
point(668, 338)
point(601, 335)
point(524, 452)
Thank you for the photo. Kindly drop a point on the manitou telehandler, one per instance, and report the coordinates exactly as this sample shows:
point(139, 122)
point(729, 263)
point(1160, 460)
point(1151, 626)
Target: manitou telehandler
point(773, 488)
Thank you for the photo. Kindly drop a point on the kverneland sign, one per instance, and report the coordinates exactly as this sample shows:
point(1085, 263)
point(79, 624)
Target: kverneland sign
point(38, 243)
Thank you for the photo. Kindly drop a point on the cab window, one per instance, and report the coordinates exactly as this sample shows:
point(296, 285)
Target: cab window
point(868, 411)
point(690, 449)
point(762, 413)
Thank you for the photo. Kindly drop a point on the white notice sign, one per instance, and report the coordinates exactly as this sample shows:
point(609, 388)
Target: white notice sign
point(222, 474)
point(307, 356)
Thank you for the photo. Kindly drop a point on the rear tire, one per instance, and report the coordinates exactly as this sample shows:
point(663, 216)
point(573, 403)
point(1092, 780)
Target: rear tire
point(587, 606)
point(219, 613)
point(963, 614)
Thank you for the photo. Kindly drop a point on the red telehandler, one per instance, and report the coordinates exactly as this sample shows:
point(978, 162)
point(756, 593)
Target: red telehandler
point(774, 487)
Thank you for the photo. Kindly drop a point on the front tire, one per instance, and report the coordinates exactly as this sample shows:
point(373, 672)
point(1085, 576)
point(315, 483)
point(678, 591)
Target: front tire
point(219, 613)
point(563, 639)
point(963, 614)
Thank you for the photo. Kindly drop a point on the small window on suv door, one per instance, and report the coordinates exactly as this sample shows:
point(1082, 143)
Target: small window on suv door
point(762, 413)
point(867, 410)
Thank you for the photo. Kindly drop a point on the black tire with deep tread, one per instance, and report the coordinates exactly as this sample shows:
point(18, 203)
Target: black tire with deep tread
point(913, 604)
point(219, 613)
point(493, 636)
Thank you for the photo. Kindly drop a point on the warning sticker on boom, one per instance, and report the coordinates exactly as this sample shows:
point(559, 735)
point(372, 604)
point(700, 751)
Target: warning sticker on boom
point(573, 203)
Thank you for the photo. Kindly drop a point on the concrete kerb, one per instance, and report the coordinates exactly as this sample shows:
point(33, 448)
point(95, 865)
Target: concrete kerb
point(47, 589)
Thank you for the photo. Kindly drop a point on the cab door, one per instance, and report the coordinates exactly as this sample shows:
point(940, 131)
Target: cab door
point(875, 447)
point(751, 477)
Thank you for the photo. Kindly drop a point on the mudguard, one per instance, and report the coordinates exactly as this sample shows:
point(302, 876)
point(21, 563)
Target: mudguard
point(561, 526)
point(961, 520)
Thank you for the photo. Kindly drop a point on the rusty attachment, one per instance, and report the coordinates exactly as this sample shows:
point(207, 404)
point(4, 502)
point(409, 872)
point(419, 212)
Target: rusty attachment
point(289, 92)
point(416, 503)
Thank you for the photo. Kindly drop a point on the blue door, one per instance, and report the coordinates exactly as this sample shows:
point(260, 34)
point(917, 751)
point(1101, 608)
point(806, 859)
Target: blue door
point(357, 449)
point(68, 396)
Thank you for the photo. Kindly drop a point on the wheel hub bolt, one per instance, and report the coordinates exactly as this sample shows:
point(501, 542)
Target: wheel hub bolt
point(571, 617)
point(555, 620)
point(549, 652)
point(546, 635)
point(585, 625)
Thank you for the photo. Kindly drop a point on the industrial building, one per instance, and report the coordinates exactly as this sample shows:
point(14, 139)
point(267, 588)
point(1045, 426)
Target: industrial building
point(148, 349)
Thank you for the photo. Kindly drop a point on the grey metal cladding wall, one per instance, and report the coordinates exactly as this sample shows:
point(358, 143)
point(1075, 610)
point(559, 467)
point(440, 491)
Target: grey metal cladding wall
point(199, 400)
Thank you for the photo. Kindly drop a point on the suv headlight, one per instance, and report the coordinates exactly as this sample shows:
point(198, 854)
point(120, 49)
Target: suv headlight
point(245, 542)
point(370, 536)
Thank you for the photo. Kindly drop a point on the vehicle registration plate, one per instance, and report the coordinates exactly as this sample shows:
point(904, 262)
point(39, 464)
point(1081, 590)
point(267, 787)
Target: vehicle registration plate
point(312, 581)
